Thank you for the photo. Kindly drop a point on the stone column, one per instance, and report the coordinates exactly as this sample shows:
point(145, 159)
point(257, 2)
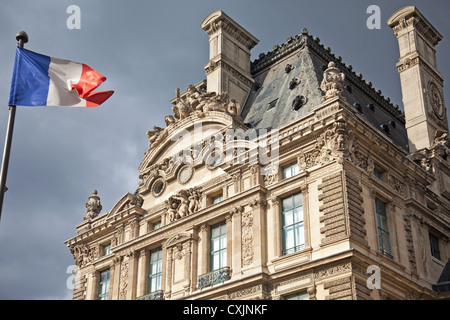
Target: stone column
point(114, 286)
point(203, 252)
point(259, 232)
point(229, 240)
point(168, 278)
point(132, 274)
point(273, 228)
point(91, 291)
point(111, 279)
point(236, 243)
point(142, 274)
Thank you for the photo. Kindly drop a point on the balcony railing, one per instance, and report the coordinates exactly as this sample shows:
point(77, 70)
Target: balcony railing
point(155, 295)
point(214, 277)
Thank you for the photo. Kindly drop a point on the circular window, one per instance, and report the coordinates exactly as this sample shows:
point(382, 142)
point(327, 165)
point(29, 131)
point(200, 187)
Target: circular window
point(158, 187)
point(185, 174)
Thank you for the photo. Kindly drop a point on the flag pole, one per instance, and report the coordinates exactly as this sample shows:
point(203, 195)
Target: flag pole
point(22, 38)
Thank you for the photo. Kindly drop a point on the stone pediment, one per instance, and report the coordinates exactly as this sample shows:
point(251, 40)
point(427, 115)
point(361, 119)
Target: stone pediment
point(197, 115)
point(178, 238)
point(127, 205)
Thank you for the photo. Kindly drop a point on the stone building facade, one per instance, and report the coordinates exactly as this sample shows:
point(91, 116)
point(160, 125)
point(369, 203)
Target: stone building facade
point(286, 177)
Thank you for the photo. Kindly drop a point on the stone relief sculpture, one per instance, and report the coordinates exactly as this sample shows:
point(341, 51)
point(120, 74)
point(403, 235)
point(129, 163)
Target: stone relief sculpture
point(155, 136)
point(183, 203)
point(333, 82)
point(82, 254)
point(197, 102)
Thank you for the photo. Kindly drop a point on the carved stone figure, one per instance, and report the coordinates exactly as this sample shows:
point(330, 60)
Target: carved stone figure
point(197, 102)
point(93, 206)
point(333, 82)
point(181, 109)
point(184, 203)
point(233, 107)
point(194, 200)
point(154, 136)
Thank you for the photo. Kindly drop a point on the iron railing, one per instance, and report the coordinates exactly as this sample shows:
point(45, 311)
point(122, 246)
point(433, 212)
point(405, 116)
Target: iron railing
point(155, 295)
point(214, 277)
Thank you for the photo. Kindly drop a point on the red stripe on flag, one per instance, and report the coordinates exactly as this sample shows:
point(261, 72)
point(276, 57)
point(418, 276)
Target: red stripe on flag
point(90, 79)
point(97, 98)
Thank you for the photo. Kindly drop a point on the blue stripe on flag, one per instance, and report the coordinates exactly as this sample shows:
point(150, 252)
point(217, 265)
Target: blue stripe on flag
point(30, 79)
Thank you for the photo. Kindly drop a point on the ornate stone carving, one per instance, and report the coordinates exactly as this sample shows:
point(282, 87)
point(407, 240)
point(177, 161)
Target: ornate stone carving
point(185, 174)
point(118, 236)
point(184, 203)
point(333, 82)
point(82, 254)
point(336, 142)
point(93, 206)
point(435, 100)
point(247, 238)
point(123, 281)
point(397, 185)
point(155, 136)
point(198, 102)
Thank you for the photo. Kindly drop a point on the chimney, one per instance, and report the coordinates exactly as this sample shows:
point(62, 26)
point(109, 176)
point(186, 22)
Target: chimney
point(421, 83)
point(228, 68)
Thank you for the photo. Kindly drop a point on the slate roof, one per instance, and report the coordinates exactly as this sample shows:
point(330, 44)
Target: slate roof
point(270, 103)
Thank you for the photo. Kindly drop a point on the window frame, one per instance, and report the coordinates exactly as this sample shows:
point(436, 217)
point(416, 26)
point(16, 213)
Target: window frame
point(382, 223)
point(223, 246)
point(106, 247)
point(105, 294)
point(292, 165)
point(158, 274)
point(434, 250)
point(297, 296)
point(299, 244)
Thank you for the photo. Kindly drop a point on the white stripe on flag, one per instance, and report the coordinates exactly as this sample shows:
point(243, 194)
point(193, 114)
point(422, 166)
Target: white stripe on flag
point(60, 92)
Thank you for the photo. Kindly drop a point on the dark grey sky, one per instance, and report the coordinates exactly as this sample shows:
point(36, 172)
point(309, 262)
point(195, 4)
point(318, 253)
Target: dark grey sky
point(146, 49)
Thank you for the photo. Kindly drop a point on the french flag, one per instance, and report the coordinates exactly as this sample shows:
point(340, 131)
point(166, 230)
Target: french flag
point(40, 80)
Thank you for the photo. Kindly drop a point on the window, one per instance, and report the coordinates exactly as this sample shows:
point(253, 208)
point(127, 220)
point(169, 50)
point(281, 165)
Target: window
point(378, 173)
point(217, 198)
point(289, 170)
point(292, 221)
point(106, 249)
point(156, 225)
point(434, 245)
point(297, 296)
point(103, 285)
point(383, 228)
point(272, 104)
point(154, 271)
point(218, 246)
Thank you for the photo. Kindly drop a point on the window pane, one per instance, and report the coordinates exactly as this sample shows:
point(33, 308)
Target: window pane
point(293, 229)
point(287, 204)
point(289, 238)
point(223, 259)
point(215, 244)
point(288, 217)
point(298, 200)
point(215, 262)
point(299, 234)
point(298, 214)
point(434, 246)
point(383, 223)
point(155, 269)
point(103, 286)
point(297, 296)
